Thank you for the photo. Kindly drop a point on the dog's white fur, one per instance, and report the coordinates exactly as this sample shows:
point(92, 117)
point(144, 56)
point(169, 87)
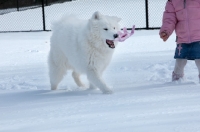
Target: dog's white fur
point(80, 45)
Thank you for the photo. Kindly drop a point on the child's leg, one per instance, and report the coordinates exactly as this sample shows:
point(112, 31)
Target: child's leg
point(197, 61)
point(179, 69)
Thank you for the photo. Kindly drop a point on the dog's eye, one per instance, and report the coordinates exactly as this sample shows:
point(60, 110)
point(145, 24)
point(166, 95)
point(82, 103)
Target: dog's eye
point(105, 29)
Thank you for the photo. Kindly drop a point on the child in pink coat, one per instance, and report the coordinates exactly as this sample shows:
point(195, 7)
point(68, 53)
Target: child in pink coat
point(183, 16)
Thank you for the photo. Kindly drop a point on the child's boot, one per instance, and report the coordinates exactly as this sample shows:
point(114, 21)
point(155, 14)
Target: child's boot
point(176, 77)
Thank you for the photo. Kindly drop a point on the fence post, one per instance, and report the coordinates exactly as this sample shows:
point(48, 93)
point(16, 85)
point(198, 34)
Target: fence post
point(46, 2)
point(147, 13)
point(43, 16)
point(17, 5)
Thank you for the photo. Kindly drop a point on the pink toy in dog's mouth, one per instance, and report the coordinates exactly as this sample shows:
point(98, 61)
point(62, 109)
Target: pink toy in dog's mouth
point(110, 43)
point(125, 34)
point(122, 36)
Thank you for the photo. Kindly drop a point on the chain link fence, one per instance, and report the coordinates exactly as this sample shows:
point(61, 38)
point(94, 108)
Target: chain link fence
point(37, 15)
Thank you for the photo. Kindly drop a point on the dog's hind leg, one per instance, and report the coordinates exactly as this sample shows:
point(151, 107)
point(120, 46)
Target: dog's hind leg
point(77, 80)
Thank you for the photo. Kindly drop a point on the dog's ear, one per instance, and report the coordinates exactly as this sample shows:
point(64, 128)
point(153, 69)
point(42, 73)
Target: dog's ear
point(96, 16)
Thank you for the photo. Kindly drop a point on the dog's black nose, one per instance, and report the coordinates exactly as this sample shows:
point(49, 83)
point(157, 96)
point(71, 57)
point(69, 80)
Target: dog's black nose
point(115, 35)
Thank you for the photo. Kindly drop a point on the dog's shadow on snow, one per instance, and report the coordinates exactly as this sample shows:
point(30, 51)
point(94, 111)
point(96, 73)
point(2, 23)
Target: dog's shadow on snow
point(31, 96)
point(68, 93)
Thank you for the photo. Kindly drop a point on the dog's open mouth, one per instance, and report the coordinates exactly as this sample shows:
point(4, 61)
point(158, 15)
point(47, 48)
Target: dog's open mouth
point(110, 43)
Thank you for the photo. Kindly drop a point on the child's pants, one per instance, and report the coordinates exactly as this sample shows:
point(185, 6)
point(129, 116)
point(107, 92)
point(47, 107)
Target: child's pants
point(179, 68)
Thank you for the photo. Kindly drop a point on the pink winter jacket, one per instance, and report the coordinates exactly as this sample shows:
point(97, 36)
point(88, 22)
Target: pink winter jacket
point(184, 17)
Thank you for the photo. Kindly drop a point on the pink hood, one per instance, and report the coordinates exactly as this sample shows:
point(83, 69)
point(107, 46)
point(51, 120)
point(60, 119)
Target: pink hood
point(183, 16)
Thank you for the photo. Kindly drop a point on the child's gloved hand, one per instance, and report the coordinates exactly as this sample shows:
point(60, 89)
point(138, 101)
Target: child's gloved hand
point(164, 36)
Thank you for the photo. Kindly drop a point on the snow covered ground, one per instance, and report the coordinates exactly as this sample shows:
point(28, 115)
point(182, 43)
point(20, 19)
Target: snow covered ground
point(144, 100)
point(139, 73)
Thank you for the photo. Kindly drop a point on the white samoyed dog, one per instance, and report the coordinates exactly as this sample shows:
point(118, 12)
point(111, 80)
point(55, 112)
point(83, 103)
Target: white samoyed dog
point(83, 46)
